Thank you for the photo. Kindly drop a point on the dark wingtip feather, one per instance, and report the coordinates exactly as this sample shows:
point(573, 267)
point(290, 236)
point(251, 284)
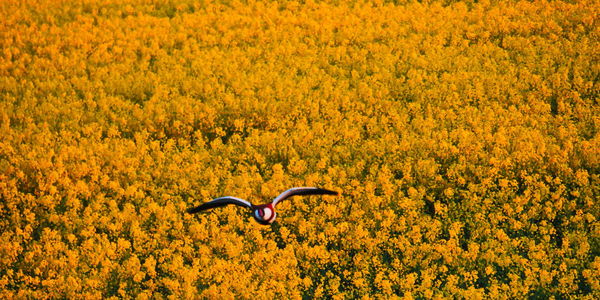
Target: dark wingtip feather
point(329, 192)
point(193, 210)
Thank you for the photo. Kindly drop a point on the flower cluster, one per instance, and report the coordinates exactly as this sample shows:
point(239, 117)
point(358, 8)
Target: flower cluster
point(463, 137)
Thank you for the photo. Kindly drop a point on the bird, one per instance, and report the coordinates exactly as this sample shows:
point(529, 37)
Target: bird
point(264, 214)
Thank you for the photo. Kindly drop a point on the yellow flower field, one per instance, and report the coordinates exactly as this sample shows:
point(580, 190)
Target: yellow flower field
point(463, 136)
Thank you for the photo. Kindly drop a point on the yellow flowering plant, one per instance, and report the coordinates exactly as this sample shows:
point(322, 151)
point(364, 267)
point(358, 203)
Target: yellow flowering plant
point(462, 135)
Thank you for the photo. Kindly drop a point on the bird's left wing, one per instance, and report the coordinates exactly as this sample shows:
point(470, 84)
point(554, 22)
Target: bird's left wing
point(218, 202)
point(302, 191)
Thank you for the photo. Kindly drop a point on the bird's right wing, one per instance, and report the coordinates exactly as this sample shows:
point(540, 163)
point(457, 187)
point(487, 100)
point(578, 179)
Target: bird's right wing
point(302, 191)
point(218, 202)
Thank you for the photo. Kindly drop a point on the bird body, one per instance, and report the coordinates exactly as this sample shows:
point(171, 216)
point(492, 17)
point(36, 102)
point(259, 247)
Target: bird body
point(265, 213)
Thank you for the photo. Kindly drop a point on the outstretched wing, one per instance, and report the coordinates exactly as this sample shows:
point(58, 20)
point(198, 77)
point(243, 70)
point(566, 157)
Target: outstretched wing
point(302, 191)
point(218, 202)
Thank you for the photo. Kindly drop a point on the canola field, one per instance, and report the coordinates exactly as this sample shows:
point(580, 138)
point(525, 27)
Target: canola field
point(462, 136)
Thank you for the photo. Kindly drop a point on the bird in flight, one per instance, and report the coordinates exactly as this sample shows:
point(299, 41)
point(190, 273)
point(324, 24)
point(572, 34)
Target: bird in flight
point(265, 213)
